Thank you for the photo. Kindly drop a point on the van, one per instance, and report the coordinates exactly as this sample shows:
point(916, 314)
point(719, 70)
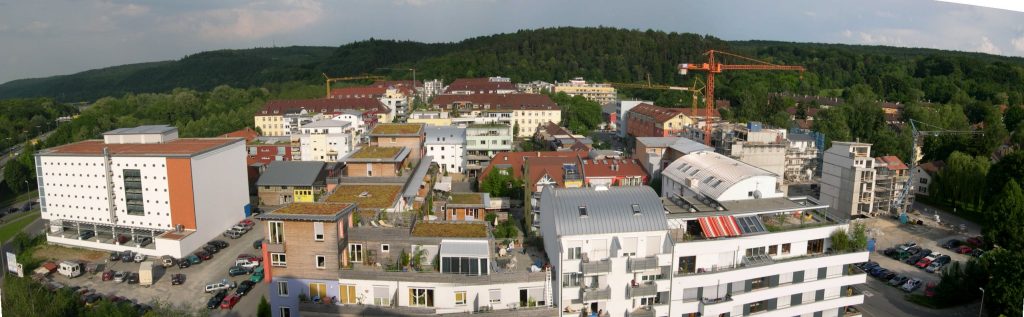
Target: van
point(70, 269)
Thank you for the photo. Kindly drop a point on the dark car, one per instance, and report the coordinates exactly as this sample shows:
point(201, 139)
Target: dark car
point(210, 248)
point(143, 309)
point(121, 239)
point(918, 256)
point(220, 244)
point(952, 244)
point(86, 235)
point(977, 253)
point(193, 259)
point(244, 287)
point(114, 256)
point(91, 299)
point(976, 241)
point(888, 276)
point(238, 270)
point(898, 281)
point(133, 278)
point(890, 252)
point(127, 256)
point(177, 279)
point(204, 255)
point(214, 301)
point(258, 244)
point(143, 241)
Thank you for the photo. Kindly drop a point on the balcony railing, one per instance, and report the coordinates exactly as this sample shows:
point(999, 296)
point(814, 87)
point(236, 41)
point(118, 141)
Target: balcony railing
point(642, 290)
point(596, 294)
point(591, 267)
point(723, 268)
point(645, 311)
point(642, 264)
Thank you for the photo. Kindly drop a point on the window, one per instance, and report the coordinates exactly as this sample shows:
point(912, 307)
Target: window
point(785, 248)
point(356, 252)
point(317, 290)
point(318, 231)
point(133, 192)
point(347, 294)
point(421, 297)
point(460, 298)
point(759, 283)
point(381, 295)
point(321, 262)
point(385, 248)
point(278, 259)
point(648, 301)
point(276, 231)
point(755, 251)
point(464, 265)
point(495, 295)
point(282, 288)
point(571, 279)
point(687, 264)
point(815, 246)
point(574, 253)
point(531, 297)
point(773, 250)
point(286, 312)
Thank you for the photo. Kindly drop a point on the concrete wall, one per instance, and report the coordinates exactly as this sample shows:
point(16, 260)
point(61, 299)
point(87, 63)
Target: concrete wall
point(221, 192)
point(414, 144)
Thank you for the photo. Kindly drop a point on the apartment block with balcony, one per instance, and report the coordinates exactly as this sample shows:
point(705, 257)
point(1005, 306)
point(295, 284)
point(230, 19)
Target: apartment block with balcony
point(891, 177)
point(303, 251)
point(597, 92)
point(741, 248)
point(611, 249)
point(529, 111)
point(484, 141)
point(326, 140)
point(848, 179)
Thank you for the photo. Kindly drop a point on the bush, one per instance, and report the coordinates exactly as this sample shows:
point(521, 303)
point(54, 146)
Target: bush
point(840, 240)
point(264, 309)
point(506, 230)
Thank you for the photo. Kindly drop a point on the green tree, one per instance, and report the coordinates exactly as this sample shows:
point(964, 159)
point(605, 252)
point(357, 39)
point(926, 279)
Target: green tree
point(515, 130)
point(1004, 218)
point(1009, 167)
point(1013, 117)
point(1004, 291)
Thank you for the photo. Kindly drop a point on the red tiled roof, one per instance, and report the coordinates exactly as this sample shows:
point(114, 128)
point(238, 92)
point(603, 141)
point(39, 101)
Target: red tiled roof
point(550, 166)
point(603, 168)
point(358, 92)
point(933, 166)
point(515, 160)
point(478, 85)
point(397, 83)
point(891, 162)
point(554, 129)
point(699, 112)
point(659, 114)
point(499, 101)
point(248, 134)
point(579, 146)
point(176, 147)
point(279, 107)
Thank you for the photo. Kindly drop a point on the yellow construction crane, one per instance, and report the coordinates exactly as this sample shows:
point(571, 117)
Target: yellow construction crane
point(330, 80)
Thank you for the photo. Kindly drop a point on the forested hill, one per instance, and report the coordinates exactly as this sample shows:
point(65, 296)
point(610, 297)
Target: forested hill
point(602, 54)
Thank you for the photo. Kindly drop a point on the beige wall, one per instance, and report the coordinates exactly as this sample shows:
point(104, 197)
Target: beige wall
point(414, 144)
point(379, 169)
point(301, 251)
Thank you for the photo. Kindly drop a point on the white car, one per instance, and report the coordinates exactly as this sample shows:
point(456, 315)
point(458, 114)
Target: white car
point(225, 284)
point(249, 264)
point(120, 276)
point(911, 285)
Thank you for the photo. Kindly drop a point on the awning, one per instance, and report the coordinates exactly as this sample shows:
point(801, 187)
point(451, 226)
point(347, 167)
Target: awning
point(719, 226)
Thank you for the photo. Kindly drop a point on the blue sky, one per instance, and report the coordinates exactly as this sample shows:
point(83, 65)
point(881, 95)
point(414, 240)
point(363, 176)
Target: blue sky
point(50, 37)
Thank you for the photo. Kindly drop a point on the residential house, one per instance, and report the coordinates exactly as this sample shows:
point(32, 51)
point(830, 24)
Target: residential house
point(408, 135)
point(447, 145)
point(376, 161)
point(484, 141)
point(488, 85)
point(326, 140)
point(924, 175)
point(600, 93)
point(285, 182)
point(466, 207)
point(528, 111)
point(284, 117)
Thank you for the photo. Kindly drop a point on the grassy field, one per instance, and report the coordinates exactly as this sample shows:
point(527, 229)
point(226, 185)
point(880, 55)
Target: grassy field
point(11, 228)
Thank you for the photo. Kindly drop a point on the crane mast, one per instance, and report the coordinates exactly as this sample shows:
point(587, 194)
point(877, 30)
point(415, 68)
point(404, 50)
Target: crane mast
point(917, 138)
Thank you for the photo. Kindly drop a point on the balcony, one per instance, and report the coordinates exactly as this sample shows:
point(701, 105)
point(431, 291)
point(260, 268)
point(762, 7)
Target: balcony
point(644, 311)
point(591, 267)
point(642, 290)
point(596, 294)
point(643, 264)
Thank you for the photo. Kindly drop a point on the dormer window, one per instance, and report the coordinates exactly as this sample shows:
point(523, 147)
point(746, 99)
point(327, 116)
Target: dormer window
point(583, 211)
point(636, 209)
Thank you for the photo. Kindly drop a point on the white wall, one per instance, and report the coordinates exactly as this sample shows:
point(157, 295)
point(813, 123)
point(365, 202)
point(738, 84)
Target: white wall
point(450, 156)
point(220, 184)
point(444, 293)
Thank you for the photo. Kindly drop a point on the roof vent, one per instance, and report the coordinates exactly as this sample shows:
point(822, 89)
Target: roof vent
point(636, 209)
point(583, 211)
point(364, 194)
point(600, 188)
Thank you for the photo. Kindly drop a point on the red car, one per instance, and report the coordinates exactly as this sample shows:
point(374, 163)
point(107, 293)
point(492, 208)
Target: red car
point(108, 275)
point(230, 301)
point(923, 263)
point(976, 241)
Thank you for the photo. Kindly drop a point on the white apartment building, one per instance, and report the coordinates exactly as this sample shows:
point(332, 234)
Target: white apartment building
point(326, 140)
point(448, 147)
point(354, 119)
point(848, 179)
point(801, 158)
point(528, 111)
point(600, 93)
point(140, 185)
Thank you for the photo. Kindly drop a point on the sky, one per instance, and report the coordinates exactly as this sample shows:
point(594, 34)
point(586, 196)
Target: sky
point(40, 38)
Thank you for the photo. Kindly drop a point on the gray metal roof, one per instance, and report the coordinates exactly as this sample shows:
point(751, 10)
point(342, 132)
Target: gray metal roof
point(413, 186)
point(445, 135)
point(654, 141)
point(291, 173)
point(142, 129)
point(608, 211)
point(715, 172)
point(465, 248)
point(327, 123)
point(687, 146)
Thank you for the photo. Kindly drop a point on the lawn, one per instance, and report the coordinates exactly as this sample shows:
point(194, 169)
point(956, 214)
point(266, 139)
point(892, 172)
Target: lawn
point(967, 212)
point(466, 199)
point(376, 152)
point(397, 128)
point(367, 196)
point(450, 230)
point(12, 227)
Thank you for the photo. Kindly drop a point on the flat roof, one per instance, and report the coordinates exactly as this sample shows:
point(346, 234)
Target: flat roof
point(450, 230)
point(377, 154)
point(678, 208)
point(309, 212)
point(397, 129)
point(291, 173)
point(466, 199)
point(177, 147)
point(367, 196)
point(142, 129)
point(465, 248)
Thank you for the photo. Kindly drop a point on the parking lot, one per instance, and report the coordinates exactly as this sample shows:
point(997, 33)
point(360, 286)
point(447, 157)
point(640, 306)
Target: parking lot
point(881, 299)
point(190, 295)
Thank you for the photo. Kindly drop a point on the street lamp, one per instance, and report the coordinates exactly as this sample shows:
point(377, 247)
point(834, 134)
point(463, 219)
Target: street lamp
point(982, 308)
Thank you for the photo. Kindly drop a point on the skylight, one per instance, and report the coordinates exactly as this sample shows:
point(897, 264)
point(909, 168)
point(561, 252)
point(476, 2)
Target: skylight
point(583, 211)
point(636, 209)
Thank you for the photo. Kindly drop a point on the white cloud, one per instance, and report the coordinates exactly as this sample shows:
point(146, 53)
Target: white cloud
point(986, 46)
point(131, 10)
point(847, 33)
point(250, 21)
point(1018, 44)
point(36, 27)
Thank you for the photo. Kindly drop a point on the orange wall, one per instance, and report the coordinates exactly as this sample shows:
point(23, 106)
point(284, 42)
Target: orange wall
point(179, 183)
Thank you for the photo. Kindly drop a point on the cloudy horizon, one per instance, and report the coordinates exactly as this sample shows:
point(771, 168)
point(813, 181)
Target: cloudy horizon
point(56, 37)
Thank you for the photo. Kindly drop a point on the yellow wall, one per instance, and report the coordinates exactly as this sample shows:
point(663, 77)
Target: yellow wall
point(303, 195)
point(270, 125)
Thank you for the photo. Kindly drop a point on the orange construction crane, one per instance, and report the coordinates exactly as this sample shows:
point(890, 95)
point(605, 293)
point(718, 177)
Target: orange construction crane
point(330, 80)
point(713, 67)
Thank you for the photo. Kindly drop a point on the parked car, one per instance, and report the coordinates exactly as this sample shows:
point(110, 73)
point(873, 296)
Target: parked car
point(86, 235)
point(247, 223)
point(195, 258)
point(898, 280)
point(143, 241)
point(91, 299)
point(888, 276)
point(244, 287)
point(184, 263)
point(177, 279)
point(210, 249)
point(167, 261)
point(114, 256)
point(108, 275)
point(203, 255)
point(952, 244)
point(890, 252)
point(240, 228)
point(938, 263)
point(976, 241)
point(121, 239)
point(250, 265)
point(923, 262)
point(911, 285)
point(907, 246)
point(133, 278)
point(258, 244)
point(918, 256)
point(257, 274)
point(214, 301)
point(120, 276)
point(964, 249)
point(222, 285)
point(238, 270)
point(232, 234)
point(139, 258)
point(977, 253)
point(879, 272)
point(929, 290)
point(220, 244)
point(127, 256)
point(230, 301)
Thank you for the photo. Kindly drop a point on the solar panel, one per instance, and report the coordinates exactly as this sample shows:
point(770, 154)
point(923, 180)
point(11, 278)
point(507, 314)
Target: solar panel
point(750, 224)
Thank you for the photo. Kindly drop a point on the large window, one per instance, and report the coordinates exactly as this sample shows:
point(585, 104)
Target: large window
point(356, 252)
point(574, 253)
point(755, 251)
point(317, 290)
point(531, 297)
point(421, 297)
point(133, 192)
point(815, 246)
point(571, 279)
point(785, 248)
point(381, 295)
point(773, 250)
point(278, 259)
point(276, 231)
point(464, 265)
point(286, 312)
point(282, 288)
point(347, 294)
point(687, 264)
